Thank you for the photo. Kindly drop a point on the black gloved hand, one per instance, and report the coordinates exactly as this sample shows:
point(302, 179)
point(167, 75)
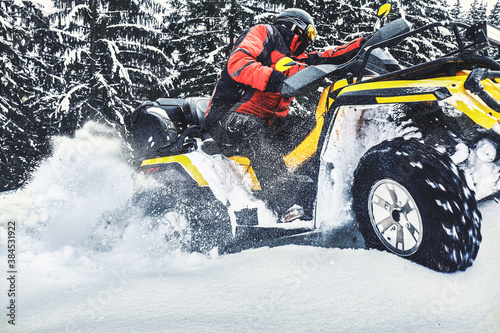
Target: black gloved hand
point(275, 82)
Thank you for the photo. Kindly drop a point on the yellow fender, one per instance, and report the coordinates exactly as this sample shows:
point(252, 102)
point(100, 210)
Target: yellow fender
point(460, 98)
point(184, 161)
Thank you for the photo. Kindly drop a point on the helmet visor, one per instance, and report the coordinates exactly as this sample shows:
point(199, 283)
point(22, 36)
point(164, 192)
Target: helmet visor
point(310, 33)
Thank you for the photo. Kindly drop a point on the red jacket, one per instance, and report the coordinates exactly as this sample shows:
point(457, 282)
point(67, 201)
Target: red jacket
point(248, 81)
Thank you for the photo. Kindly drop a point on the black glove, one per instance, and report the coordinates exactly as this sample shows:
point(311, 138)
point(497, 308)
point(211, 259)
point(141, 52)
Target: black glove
point(275, 82)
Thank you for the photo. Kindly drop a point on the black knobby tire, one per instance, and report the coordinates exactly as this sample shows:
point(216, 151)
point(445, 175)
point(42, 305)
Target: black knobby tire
point(413, 201)
point(209, 222)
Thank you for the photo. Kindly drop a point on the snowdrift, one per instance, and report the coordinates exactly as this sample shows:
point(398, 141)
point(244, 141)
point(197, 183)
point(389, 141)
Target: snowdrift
point(89, 260)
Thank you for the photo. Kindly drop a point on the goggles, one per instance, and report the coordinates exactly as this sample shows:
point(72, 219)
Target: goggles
point(310, 33)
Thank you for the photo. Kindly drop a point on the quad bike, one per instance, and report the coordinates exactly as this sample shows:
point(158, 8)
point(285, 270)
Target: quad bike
point(408, 187)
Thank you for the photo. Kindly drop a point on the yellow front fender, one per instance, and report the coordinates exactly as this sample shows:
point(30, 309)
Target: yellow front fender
point(449, 89)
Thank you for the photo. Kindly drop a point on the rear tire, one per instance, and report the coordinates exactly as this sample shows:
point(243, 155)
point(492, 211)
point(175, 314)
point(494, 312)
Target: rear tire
point(207, 222)
point(413, 201)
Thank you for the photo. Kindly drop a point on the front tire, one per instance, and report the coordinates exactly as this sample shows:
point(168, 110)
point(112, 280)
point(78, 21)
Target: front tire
point(413, 201)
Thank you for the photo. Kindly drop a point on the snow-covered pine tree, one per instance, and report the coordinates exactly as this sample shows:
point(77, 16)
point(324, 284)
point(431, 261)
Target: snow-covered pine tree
point(494, 19)
point(456, 11)
point(476, 12)
point(431, 43)
point(89, 59)
point(483, 10)
point(199, 38)
point(23, 72)
point(118, 57)
point(11, 78)
point(204, 36)
point(342, 21)
point(251, 12)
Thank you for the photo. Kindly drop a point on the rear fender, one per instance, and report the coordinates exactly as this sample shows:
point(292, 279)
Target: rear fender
point(185, 169)
point(197, 169)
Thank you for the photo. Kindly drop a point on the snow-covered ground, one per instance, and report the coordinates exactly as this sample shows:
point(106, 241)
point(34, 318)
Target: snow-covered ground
point(77, 272)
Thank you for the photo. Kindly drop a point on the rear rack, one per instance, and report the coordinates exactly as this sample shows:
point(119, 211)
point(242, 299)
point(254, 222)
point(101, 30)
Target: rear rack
point(449, 66)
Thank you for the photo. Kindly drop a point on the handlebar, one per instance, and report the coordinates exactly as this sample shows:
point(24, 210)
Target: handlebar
point(389, 35)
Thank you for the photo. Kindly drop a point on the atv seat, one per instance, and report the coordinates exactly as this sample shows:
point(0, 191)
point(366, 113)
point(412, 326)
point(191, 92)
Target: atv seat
point(194, 110)
point(167, 122)
point(183, 112)
point(151, 129)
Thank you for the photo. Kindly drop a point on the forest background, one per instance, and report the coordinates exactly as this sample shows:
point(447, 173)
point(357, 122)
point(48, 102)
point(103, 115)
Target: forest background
point(66, 62)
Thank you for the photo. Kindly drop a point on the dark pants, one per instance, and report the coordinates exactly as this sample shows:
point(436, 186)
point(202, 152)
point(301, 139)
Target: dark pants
point(246, 135)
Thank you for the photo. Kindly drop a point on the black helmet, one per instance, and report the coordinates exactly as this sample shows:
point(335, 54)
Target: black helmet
point(294, 18)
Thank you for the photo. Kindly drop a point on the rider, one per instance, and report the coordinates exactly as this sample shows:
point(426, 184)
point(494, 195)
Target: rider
point(246, 108)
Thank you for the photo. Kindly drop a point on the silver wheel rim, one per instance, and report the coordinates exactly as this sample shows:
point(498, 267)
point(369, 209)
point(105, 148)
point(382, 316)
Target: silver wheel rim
point(395, 217)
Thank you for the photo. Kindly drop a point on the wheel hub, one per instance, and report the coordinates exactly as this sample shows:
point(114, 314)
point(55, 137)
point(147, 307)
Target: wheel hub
point(395, 217)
